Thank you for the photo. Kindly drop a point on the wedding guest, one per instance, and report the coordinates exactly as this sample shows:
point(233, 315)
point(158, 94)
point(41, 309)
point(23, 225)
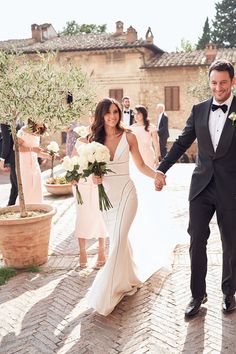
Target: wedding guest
point(119, 275)
point(213, 188)
point(146, 135)
point(8, 159)
point(70, 138)
point(162, 129)
point(127, 112)
point(29, 141)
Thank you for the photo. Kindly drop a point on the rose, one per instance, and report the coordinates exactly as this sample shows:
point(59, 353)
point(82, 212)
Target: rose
point(71, 165)
point(232, 116)
point(52, 149)
point(93, 158)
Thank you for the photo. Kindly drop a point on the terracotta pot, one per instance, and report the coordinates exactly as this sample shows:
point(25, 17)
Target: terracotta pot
point(24, 241)
point(59, 189)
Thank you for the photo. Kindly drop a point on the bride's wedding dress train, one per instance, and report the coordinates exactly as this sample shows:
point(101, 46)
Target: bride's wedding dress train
point(119, 275)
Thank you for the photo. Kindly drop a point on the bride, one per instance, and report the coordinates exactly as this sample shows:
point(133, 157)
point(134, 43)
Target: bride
point(119, 275)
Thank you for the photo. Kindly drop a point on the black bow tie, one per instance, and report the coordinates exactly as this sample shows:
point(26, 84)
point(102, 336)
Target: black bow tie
point(224, 107)
point(126, 111)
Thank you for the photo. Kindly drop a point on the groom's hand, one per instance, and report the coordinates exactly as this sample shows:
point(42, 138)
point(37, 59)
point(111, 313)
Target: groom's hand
point(160, 181)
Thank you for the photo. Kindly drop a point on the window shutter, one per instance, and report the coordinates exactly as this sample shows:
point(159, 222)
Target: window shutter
point(117, 94)
point(172, 98)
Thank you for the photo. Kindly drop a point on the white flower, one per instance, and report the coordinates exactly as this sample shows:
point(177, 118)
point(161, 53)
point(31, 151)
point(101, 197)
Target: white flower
point(89, 153)
point(82, 131)
point(75, 160)
point(53, 147)
point(68, 164)
point(232, 116)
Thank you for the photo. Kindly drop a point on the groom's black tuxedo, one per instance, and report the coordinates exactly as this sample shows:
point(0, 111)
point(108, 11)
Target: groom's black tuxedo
point(214, 182)
point(220, 163)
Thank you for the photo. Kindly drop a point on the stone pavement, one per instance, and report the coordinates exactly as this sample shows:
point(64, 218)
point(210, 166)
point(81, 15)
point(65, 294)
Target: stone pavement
point(47, 312)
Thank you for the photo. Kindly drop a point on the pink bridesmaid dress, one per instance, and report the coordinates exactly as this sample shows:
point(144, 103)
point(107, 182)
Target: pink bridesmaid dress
point(30, 169)
point(145, 143)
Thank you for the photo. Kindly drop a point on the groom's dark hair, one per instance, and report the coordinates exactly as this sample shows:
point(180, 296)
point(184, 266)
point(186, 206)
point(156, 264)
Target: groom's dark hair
point(222, 65)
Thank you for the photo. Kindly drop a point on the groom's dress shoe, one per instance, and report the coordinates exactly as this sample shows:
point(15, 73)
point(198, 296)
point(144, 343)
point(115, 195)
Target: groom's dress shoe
point(229, 303)
point(194, 305)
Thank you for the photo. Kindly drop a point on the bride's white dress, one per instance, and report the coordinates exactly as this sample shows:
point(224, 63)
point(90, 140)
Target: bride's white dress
point(119, 275)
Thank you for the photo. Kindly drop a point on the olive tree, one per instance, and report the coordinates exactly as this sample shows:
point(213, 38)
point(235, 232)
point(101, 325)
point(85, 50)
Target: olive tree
point(37, 88)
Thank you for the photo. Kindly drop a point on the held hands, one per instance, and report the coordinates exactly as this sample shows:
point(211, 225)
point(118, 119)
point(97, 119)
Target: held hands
point(160, 181)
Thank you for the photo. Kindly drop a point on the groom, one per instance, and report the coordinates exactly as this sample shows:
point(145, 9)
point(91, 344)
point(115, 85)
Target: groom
point(213, 185)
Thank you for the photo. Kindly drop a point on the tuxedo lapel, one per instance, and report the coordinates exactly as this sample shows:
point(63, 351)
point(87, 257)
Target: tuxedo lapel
point(227, 133)
point(206, 141)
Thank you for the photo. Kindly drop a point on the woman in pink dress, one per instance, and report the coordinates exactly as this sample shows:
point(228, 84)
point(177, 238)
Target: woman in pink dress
point(146, 135)
point(29, 140)
point(89, 220)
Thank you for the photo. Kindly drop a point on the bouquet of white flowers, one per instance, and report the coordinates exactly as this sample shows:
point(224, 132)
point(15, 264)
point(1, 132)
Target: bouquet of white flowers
point(71, 165)
point(81, 131)
point(52, 149)
point(93, 159)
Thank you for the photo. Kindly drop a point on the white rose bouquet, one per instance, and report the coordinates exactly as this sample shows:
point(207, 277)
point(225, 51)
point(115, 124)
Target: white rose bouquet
point(93, 159)
point(71, 165)
point(52, 149)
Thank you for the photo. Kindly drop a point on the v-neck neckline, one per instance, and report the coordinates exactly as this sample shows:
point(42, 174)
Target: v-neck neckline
point(117, 146)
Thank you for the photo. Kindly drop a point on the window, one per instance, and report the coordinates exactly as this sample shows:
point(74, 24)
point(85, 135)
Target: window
point(117, 94)
point(116, 56)
point(172, 98)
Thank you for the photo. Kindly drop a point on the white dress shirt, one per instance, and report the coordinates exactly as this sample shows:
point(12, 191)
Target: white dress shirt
point(126, 117)
point(217, 121)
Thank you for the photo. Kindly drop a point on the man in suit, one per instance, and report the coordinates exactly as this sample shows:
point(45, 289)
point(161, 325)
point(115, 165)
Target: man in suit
point(127, 112)
point(213, 184)
point(162, 129)
point(8, 158)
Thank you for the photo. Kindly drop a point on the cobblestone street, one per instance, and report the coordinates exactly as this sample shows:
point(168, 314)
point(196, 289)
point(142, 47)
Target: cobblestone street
point(47, 312)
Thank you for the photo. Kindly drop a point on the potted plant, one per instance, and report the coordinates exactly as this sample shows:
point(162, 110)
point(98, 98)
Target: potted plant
point(35, 87)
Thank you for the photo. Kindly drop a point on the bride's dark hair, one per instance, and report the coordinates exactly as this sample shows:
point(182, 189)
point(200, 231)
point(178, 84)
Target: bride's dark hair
point(97, 128)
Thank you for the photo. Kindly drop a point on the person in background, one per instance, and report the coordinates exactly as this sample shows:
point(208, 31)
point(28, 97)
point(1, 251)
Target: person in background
point(162, 129)
point(127, 112)
point(147, 137)
point(7, 161)
point(29, 148)
point(71, 136)
point(84, 228)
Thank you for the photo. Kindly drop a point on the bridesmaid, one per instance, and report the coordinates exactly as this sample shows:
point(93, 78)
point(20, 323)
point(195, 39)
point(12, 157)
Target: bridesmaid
point(29, 140)
point(147, 137)
point(89, 210)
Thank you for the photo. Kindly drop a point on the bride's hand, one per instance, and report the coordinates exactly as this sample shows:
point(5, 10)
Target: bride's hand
point(97, 179)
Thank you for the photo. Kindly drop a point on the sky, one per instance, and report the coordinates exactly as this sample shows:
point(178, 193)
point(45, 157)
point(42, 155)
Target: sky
point(170, 20)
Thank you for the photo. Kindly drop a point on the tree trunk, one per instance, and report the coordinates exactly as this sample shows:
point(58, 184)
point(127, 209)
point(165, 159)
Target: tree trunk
point(23, 212)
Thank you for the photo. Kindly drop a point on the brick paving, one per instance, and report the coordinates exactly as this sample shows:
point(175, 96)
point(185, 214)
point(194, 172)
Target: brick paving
point(47, 312)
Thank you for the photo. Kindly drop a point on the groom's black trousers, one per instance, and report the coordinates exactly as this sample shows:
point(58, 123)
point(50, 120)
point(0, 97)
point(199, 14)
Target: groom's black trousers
point(201, 211)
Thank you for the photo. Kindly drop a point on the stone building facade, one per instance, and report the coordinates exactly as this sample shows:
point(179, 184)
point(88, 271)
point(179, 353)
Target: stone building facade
point(120, 63)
